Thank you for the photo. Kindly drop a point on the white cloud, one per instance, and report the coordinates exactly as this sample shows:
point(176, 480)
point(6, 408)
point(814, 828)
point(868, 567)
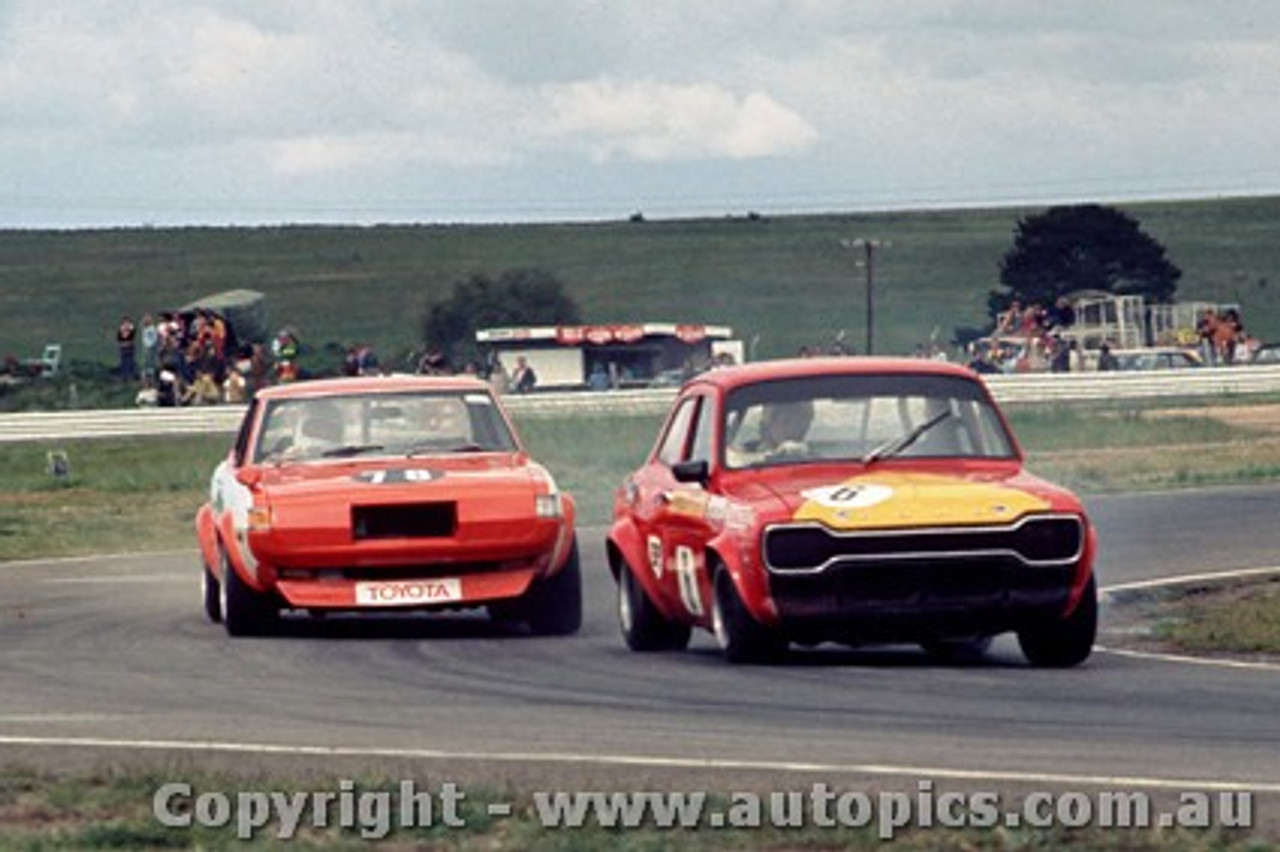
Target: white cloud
point(511, 108)
point(657, 121)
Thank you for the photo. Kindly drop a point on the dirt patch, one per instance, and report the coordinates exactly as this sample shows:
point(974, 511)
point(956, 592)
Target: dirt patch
point(1263, 418)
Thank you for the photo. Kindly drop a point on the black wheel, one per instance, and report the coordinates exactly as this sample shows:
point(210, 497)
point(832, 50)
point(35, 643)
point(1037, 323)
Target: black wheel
point(741, 637)
point(210, 588)
point(1065, 642)
point(643, 626)
point(245, 612)
point(957, 649)
point(553, 606)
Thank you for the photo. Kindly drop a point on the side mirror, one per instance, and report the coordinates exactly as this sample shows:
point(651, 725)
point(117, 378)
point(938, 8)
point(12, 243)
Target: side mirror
point(249, 476)
point(692, 471)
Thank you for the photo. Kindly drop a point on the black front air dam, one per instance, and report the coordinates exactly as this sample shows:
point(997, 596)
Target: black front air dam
point(906, 600)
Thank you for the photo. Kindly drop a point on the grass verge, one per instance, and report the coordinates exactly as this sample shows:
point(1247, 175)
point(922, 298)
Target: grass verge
point(1238, 618)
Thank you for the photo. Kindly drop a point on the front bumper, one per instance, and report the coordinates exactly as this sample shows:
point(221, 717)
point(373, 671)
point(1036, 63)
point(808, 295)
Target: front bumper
point(918, 599)
point(913, 584)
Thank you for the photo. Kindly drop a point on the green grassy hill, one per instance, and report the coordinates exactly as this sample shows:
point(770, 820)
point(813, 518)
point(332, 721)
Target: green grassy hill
point(784, 282)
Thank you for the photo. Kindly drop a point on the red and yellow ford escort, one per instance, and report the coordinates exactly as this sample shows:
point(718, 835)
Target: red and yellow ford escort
point(854, 500)
point(383, 494)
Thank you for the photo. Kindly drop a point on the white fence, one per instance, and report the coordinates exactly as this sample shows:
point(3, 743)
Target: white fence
point(1039, 387)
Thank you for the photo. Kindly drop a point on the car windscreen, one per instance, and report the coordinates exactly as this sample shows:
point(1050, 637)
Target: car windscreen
point(861, 418)
point(409, 424)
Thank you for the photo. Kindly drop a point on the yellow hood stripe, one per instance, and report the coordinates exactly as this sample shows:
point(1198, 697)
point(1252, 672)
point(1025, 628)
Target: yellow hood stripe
point(898, 500)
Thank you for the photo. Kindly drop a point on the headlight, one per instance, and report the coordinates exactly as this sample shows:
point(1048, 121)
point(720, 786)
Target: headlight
point(548, 505)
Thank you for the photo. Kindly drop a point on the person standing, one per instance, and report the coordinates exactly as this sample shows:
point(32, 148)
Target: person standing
point(523, 378)
point(1107, 360)
point(126, 338)
point(150, 335)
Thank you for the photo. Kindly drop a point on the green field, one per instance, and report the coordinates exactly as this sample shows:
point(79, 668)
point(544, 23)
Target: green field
point(779, 282)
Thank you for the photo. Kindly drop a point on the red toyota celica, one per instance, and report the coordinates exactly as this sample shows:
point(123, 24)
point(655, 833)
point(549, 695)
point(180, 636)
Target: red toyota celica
point(385, 494)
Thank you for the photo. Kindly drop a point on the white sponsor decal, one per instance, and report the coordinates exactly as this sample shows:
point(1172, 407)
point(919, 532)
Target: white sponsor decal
point(687, 574)
point(655, 556)
point(849, 496)
point(408, 592)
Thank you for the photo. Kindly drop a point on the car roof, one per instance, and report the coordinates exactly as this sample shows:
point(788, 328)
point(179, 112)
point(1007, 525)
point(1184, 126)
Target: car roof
point(792, 368)
point(396, 383)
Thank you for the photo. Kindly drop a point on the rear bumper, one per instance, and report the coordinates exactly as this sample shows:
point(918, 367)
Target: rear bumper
point(911, 600)
point(434, 589)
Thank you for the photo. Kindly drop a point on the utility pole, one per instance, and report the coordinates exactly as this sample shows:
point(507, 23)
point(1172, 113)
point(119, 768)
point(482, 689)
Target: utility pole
point(869, 248)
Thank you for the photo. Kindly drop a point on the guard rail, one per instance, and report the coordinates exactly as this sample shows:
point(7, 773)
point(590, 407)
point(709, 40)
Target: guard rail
point(1038, 387)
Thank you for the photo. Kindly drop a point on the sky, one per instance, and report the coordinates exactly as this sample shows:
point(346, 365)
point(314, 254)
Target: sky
point(123, 113)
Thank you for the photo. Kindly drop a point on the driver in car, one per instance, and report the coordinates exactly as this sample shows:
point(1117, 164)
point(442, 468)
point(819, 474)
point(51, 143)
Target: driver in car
point(783, 427)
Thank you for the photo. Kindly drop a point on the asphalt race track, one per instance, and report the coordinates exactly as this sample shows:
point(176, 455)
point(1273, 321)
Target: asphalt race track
point(115, 653)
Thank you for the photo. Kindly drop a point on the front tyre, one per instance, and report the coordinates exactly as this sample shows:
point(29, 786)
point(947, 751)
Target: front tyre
point(211, 590)
point(644, 627)
point(245, 611)
point(554, 604)
point(740, 636)
point(1065, 642)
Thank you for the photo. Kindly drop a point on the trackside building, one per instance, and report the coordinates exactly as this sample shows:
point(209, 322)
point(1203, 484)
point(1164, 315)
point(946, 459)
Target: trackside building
point(621, 355)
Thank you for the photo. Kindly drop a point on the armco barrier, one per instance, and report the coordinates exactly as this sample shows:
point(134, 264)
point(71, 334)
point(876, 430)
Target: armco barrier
point(1037, 387)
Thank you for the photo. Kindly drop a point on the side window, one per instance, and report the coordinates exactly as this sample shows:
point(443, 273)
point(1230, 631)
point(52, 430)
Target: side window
point(671, 450)
point(704, 433)
point(242, 438)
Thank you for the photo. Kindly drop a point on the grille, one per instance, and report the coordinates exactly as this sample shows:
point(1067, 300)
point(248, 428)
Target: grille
point(405, 520)
point(1037, 540)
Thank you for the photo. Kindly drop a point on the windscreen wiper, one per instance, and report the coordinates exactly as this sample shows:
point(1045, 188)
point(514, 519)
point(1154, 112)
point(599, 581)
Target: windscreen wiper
point(348, 450)
point(891, 448)
point(444, 448)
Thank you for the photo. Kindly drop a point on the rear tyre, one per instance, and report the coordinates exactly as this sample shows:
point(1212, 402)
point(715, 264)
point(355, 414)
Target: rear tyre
point(245, 612)
point(1064, 642)
point(644, 627)
point(554, 605)
point(211, 590)
point(740, 636)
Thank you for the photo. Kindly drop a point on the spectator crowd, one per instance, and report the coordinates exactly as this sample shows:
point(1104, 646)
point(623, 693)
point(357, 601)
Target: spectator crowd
point(192, 358)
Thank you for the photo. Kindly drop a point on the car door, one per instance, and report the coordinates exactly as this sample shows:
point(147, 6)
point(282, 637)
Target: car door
point(679, 533)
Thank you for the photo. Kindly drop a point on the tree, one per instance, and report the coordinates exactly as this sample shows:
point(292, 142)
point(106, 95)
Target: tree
point(518, 297)
point(1083, 247)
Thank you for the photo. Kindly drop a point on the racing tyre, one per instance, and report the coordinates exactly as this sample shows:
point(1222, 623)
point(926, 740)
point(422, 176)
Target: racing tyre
point(1065, 642)
point(554, 605)
point(245, 612)
point(741, 637)
point(643, 626)
point(211, 589)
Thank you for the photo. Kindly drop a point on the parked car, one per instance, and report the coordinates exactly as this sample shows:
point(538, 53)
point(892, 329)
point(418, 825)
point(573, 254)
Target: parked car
point(384, 494)
point(854, 500)
point(1157, 358)
point(1267, 353)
